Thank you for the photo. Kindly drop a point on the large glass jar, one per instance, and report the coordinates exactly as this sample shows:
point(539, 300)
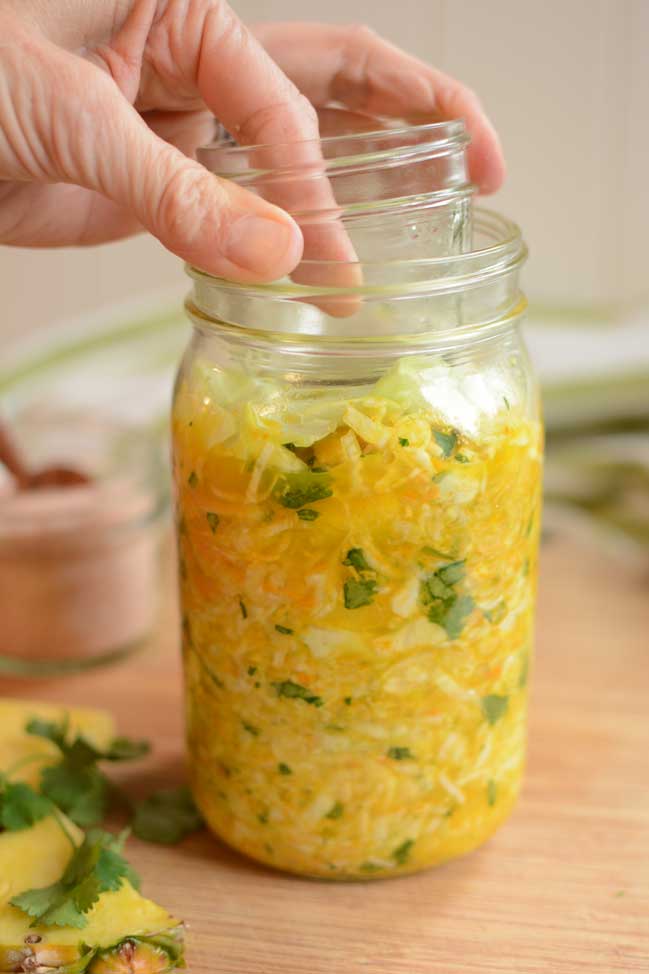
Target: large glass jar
point(357, 466)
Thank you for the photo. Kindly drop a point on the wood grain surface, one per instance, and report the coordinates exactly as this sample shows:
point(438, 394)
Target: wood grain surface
point(562, 888)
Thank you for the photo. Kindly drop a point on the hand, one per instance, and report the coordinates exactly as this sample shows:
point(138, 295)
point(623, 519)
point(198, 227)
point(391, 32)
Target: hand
point(103, 103)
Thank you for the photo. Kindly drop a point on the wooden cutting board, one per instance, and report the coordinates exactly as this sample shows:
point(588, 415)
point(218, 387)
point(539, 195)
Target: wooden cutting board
point(562, 888)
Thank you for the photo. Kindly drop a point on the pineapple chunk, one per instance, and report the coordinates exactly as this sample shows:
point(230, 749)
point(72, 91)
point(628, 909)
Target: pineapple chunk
point(16, 745)
point(125, 931)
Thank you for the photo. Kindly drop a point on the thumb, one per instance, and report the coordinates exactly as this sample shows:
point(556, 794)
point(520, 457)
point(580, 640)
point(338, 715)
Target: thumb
point(209, 222)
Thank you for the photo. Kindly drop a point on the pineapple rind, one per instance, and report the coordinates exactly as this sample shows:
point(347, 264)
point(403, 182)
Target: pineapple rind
point(168, 944)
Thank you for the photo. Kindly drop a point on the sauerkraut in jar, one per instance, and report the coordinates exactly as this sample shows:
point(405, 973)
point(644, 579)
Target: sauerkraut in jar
point(358, 506)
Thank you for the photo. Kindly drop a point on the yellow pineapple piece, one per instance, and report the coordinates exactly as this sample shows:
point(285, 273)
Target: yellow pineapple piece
point(16, 745)
point(125, 932)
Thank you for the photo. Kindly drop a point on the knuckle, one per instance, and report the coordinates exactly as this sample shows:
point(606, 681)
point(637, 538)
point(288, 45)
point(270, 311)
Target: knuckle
point(360, 35)
point(188, 199)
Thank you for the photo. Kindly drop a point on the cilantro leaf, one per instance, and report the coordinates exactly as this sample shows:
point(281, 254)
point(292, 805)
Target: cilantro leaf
point(359, 592)
point(299, 489)
point(284, 768)
point(308, 514)
point(49, 729)
point(492, 792)
point(21, 806)
point(400, 753)
point(81, 792)
point(404, 441)
point(125, 749)
point(445, 607)
point(445, 441)
point(357, 560)
point(401, 853)
point(167, 816)
point(295, 691)
point(457, 614)
point(76, 784)
point(452, 573)
point(494, 706)
point(213, 520)
point(96, 867)
point(336, 811)
point(284, 630)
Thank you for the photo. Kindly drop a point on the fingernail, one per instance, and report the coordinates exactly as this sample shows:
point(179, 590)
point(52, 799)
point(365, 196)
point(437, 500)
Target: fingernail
point(263, 246)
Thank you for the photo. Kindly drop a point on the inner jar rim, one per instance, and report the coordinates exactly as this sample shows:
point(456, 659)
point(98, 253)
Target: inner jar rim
point(452, 136)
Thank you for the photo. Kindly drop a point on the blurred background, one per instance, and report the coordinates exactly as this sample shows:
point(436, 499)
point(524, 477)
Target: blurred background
point(565, 83)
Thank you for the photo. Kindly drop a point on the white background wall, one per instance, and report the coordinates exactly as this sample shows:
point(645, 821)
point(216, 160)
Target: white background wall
point(566, 82)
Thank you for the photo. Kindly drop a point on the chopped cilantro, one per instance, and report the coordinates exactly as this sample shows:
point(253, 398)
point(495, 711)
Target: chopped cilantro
point(460, 458)
point(453, 573)
point(506, 401)
point(457, 615)
point(285, 631)
point(213, 520)
point(192, 480)
point(96, 867)
point(445, 607)
point(356, 559)
point(284, 768)
point(308, 514)
point(254, 731)
point(167, 816)
point(336, 811)
point(494, 706)
point(445, 441)
point(492, 792)
point(348, 701)
point(436, 553)
point(497, 614)
point(401, 853)
point(359, 592)
point(403, 441)
point(438, 478)
point(242, 606)
point(252, 670)
point(369, 867)
point(290, 446)
point(299, 489)
point(21, 806)
point(400, 753)
point(295, 691)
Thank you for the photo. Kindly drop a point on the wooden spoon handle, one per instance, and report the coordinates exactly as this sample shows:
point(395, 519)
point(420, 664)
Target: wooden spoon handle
point(12, 459)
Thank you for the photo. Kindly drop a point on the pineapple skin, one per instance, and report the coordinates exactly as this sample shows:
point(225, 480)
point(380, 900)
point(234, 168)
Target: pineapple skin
point(97, 726)
point(36, 857)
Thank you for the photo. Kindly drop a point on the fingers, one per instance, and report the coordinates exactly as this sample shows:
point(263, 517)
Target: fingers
point(355, 66)
point(241, 84)
point(75, 126)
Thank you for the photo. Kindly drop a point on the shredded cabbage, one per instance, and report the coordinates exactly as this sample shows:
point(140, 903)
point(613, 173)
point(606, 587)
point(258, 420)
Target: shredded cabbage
point(357, 572)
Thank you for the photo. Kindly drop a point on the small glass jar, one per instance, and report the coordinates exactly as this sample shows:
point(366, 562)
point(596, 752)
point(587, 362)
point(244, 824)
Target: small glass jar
point(357, 469)
point(80, 564)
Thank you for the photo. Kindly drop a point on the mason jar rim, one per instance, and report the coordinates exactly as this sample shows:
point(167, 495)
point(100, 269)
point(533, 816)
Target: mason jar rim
point(475, 266)
point(452, 135)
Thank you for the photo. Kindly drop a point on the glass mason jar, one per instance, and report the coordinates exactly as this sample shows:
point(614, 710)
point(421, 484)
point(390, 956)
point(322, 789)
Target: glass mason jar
point(357, 457)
